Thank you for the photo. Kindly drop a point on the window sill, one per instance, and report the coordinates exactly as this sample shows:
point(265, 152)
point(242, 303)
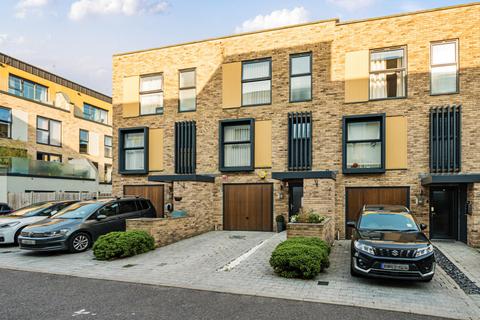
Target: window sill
point(50, 145)
point(256, 105)
point(186, 111)
point(237, 169)
point(133, 172)
point(148, 115)
point(383, 99)
point(444, 94)
point(362, 170)
point(297, 101)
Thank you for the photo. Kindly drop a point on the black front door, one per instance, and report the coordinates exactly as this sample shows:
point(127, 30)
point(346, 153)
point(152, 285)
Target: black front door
point(295, 196)
point(443, 212)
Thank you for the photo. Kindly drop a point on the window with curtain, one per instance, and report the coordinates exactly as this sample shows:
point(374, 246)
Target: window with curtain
point(133, 153)
point(83, 142)
point(95, 114)
point(107, 142)
point(364, 144)
point(151, 94)
point(27, 89)
point(301, 77)
point(187, 95)
point(236, 145)
point(444, 67)
point(387, 73)
point(256, 82)
point(49, 131)
point(5, 122)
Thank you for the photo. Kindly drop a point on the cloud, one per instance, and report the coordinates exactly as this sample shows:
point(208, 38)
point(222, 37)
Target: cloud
point(274, 19)
point(23, 7)
point(83, 8)
point(352, 5)
point(6, 39)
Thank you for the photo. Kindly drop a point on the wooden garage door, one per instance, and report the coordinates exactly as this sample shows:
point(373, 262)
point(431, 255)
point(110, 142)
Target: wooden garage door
point(152, 192)
point(358, 197)
point(247, 207)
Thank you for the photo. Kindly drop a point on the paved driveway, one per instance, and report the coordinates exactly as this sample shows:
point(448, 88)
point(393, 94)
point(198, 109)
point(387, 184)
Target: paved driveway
point(237, 262)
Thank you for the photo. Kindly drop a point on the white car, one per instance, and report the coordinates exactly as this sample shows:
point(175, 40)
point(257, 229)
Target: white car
point(12, 224)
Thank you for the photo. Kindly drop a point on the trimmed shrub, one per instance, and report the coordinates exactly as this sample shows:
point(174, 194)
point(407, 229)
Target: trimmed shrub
point(121, 244)
point(300, 258)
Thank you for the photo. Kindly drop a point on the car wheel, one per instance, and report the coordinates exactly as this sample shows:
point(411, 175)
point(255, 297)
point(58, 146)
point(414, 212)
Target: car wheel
point(79, 242)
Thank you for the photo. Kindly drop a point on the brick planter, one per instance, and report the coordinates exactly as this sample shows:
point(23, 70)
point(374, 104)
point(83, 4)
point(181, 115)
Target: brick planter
point(324, 230)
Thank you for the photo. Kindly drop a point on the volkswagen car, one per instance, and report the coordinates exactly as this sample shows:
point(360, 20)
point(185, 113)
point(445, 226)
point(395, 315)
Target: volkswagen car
point(387, 242)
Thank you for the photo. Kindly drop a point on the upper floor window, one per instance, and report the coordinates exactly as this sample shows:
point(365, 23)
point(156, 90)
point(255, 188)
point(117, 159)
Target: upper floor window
point(94, 113)
point(49, 157)
point(185, 147)
point(49, 131)
point(107, 173)
point(151, 94)
point(187, 91)
point(83, 143)
point(257, 82)
point(27, 89)
point(133, 150)
point(444, 67)
point(5, 122)
point(236, 149)
point(301, 77)
point(300, 141)
point(388, 73)
point(364, 144)
point(107, 142)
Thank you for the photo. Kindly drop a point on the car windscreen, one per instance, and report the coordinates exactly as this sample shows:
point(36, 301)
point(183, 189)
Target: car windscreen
point(31, 210)
point(387, 222)
point(79, 210)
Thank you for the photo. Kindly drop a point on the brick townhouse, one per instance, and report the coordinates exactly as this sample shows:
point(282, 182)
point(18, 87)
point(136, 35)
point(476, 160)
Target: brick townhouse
point(327, 116)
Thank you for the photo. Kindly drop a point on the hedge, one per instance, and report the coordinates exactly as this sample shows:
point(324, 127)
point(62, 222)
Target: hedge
point(300, 257)
point(121, 244)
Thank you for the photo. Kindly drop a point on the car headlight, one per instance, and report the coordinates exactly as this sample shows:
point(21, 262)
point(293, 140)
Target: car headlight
point(424, 251)
point(58, 233)
point(364, 247)
point(9, 225)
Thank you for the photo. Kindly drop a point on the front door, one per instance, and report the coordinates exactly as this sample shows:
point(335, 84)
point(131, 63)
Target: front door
point(295, 195)
point(443, 212)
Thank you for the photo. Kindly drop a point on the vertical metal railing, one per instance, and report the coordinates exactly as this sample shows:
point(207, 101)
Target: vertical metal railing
point(445, 134)
point(185, 147)
point(299, 141)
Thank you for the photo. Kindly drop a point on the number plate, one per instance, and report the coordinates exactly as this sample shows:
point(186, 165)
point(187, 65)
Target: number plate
point(28, 241)
point(391, 266)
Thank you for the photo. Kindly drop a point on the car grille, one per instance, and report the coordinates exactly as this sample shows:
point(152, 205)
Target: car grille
point(395, 253)
point(33, 234)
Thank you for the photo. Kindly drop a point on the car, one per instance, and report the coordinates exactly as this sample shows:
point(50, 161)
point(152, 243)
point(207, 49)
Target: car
point(5, 209)
point(77, 227)
point(12, 224)
point(387, 242)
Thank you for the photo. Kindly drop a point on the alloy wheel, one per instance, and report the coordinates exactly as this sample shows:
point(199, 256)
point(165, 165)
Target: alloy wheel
point(80, 242)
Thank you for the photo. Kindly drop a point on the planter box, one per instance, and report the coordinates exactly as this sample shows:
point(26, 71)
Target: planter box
point(324, 230)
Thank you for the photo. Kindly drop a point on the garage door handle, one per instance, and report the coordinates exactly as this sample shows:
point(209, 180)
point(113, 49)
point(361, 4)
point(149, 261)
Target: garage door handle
point(246, 218)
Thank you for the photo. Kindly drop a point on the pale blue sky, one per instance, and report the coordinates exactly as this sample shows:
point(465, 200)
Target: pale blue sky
point(76, 38)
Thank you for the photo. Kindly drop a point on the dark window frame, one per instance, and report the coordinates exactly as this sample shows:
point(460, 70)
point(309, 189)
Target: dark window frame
point(457, 64)
point(292, 117)
point(235, 122)
point(299, 55)
point(121, 150)
point(185, 165)
point(95, 108)
point(187, 88)
point(80, 141)
point(269, 59)
point(446, 139)
point(9, 123)
point(48, 154)
point(363, 118)
point(23, 80)
point(49, 132)
point(140, 93)
point(105, 146)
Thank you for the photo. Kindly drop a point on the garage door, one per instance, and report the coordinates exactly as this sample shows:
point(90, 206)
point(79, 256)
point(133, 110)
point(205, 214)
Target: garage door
point(247, 207)
point(356, 198)
point(152, 192)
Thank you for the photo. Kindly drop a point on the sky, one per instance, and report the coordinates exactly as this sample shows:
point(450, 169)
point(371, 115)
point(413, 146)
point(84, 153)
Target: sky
point(77, 38)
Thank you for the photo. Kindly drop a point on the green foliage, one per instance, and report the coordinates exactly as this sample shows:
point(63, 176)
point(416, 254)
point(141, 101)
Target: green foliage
point(315, 218)
point(6, 153)
point(300, 257)
point(307, 217)
point(122, 244)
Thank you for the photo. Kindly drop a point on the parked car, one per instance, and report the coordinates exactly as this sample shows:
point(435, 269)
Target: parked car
point(12, 224)
point(387, 242)
point(77, 227)
point(5, 209)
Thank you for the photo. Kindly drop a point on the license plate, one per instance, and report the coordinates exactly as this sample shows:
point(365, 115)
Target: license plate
point(28, 241)
point(391, 266)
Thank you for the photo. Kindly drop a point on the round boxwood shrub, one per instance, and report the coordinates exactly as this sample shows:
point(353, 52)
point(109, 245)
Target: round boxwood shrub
point(300, 257)
point(121, 244)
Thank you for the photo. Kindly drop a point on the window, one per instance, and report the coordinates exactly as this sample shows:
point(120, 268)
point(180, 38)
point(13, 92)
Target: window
point(185, 147)
point(187, 91)
point(300, 141)
point(364, 144)
point(444, 67)
point(127, 207)
point(388, 73)
point(108, 210)
point(27, 89)
point(49, 131)
point(236, 137)
point(95, 114)
point(133, 151)
point(107, 174)
point(5, 122)
point(256, 82)
point(445, 139)
point(83, 147)
point(301, 77)
point(107, 142)
point(49, 157)
point(151, 94)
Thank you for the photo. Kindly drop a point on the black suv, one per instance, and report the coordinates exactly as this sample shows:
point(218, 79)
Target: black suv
point(78, 226)
point(388, 243)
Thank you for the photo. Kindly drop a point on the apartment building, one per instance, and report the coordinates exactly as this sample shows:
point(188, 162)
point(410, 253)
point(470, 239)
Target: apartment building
point(327, 116)
point(55, 135)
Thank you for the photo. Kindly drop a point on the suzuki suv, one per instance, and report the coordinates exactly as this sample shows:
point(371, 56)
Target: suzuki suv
point(387, 242)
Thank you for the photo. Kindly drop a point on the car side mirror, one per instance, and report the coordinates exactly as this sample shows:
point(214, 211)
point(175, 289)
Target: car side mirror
point(423, 226)
point(101, 217)
point(351, 224)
